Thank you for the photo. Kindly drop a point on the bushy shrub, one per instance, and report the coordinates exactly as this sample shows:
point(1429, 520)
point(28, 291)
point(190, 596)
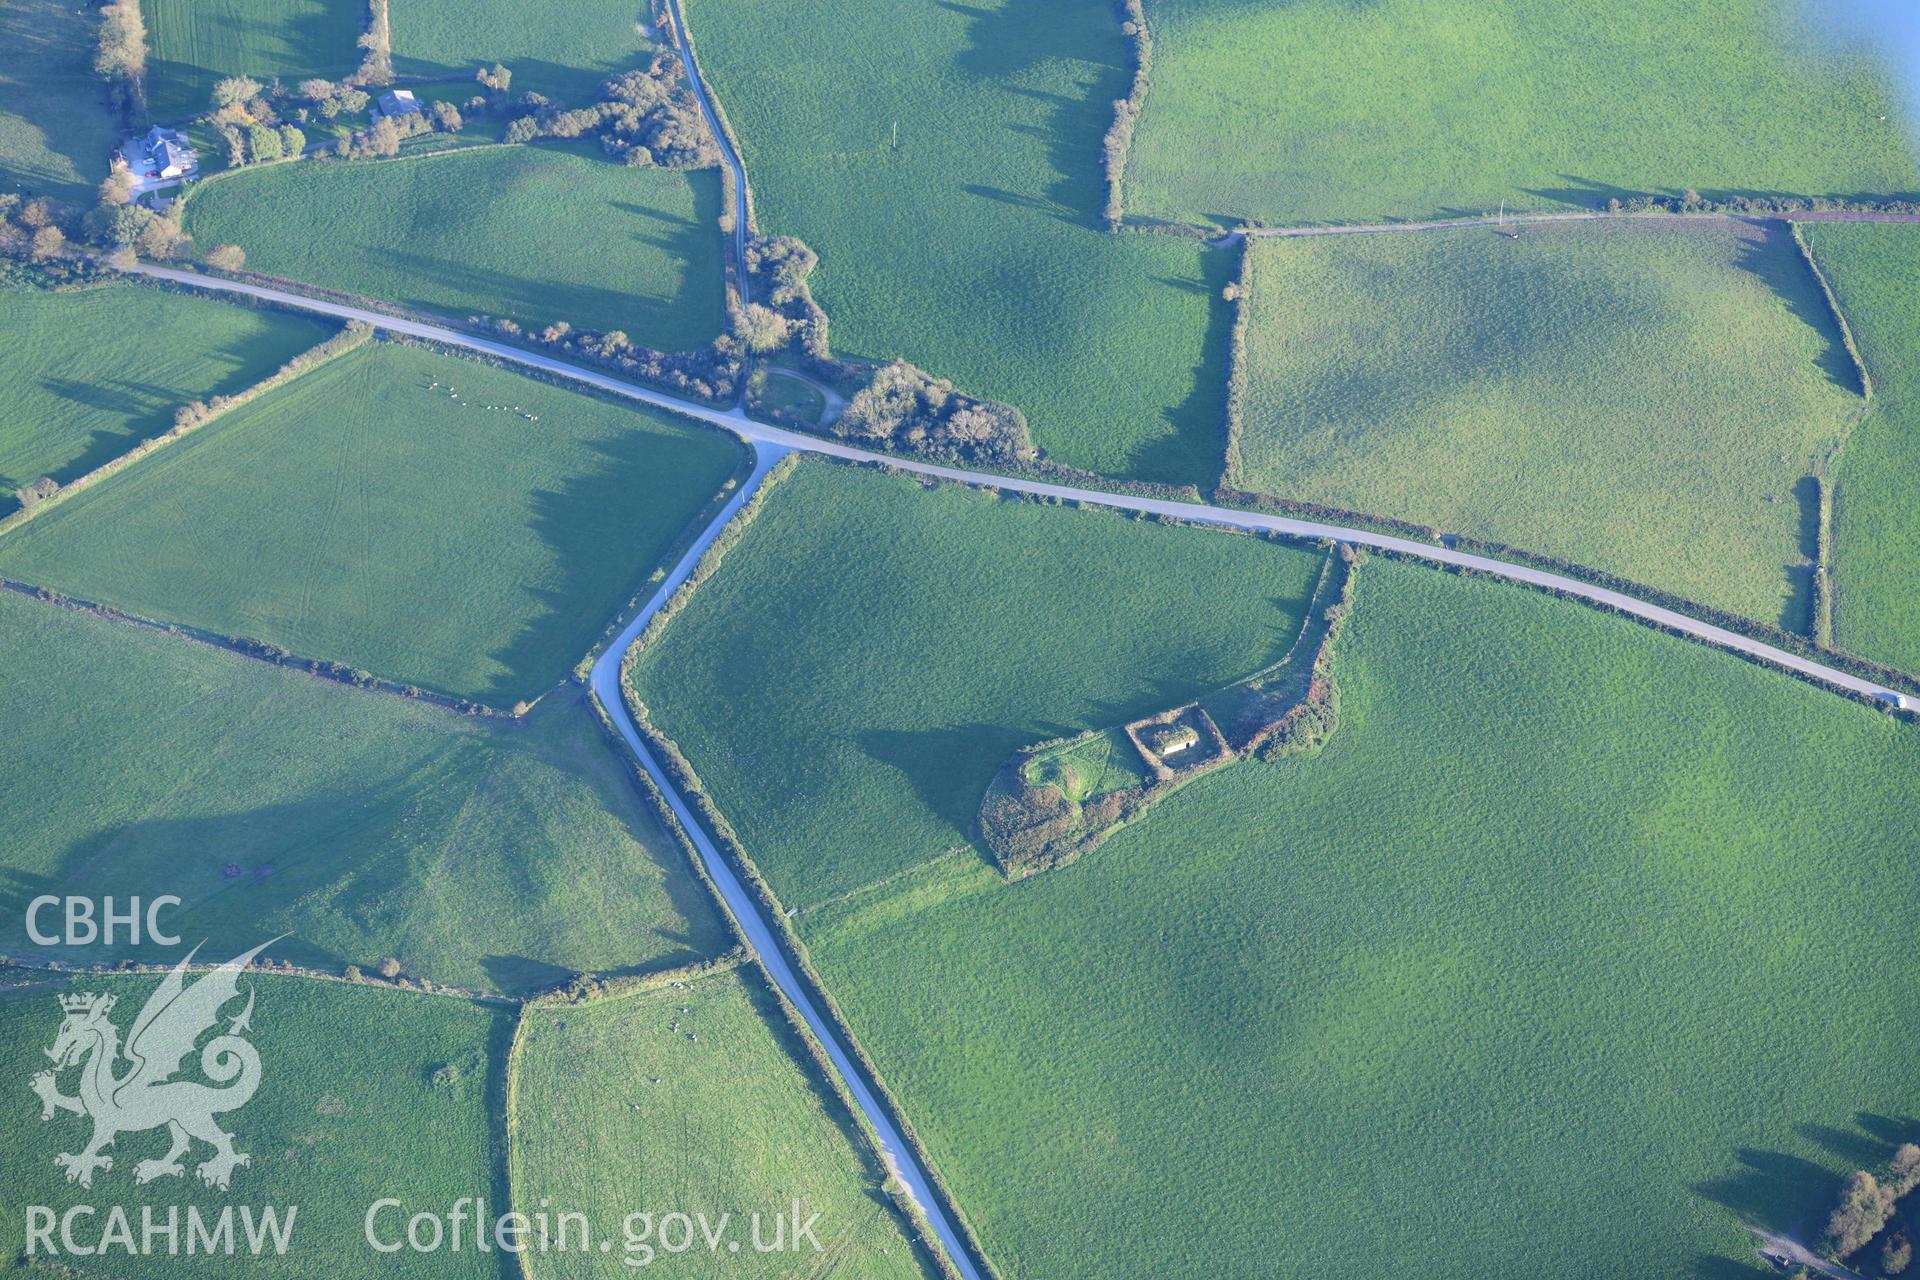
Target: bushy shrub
point(902, 407)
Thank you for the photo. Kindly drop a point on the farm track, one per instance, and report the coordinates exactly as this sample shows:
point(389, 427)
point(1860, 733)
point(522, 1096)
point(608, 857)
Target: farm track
point(734, 164)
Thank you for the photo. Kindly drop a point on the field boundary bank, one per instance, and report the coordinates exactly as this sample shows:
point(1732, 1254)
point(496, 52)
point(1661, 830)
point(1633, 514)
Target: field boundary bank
point(136, 969)
point(194, 415)
point(933, 1209)
point(1824, 480)
point(733, 419)
point(320, 293)
point(259, 651)
point(1223, 236)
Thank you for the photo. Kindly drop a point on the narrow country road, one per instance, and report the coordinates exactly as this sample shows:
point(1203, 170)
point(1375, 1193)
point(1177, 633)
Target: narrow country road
point(900, 1159)
point(769, 444)
point(736, 421)
point(734, 163)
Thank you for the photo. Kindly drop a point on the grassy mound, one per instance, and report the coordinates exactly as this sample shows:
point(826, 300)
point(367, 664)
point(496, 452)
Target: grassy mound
point(696, 1099)
point(1328, 110)
point(480, 853)
point(911, 640)
point(1646, 398)
point(969, 243)
point(356, 1103)
point(538, 234)
point(427, 519)
point(85, 378)
point(1875, 274)
point(194, 43)
point(1574, 934)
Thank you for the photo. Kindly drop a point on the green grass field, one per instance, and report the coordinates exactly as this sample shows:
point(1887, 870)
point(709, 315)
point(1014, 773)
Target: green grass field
point(972, 248)
point(194, 43)
point(1875, 274)
point(55, 129)
point(921, 638)
point(365, 516)
point(535, 233)
point(481, 853)
point(564, 54)
point(347, 1113)
point(1328, 110)
point(695, 1101)
point(1576, 946)
point(1645, 398)
point(84, 380)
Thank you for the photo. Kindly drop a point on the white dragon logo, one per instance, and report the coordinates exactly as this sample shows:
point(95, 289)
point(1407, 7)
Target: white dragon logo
point(144, 1096)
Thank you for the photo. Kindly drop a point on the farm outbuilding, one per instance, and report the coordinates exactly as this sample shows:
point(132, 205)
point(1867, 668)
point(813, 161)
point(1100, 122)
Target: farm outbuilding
point(399, 102)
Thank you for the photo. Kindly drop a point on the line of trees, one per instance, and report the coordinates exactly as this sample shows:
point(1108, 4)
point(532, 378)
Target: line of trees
point(120, 56)
point(1868, 1203)
point(1126, 111)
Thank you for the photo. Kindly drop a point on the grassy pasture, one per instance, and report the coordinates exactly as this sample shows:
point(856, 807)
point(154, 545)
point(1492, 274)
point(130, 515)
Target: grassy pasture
point(535, 233)
point(564, 53)
point(55, 129)
point(694, 1101)
point(363, 515)
point(909, 641)
point(347, 1113)
point(972, 248)
point(1576, 939)
point(193, 43)
point(1648, 398)
point(1875, 274)
point(1332, 111)
point(480, 853)
point(84, 380)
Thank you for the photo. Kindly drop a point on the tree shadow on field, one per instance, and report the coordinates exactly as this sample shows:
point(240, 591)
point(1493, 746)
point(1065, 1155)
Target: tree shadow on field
point(949, 768)
point(1771, 256)
point(242, 877)
point(1007, 44)
point(601, 547)
point(1194, 450)
point(1892, 1130)
point(1796, 614)
point(1852, 1147)
point(1772, 1189)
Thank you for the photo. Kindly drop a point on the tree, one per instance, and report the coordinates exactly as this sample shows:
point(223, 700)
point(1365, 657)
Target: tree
point(525, 129)
point(227, 257)
point(36, 493)
point(496, 78)
point(447, 117)
point(764, 329)
point(36, 213)
point(1896, 1253)
point(160, 238)
point(121, 53)
point(47, 243)
point(315, 90)
point(292, 141)
point(390, 968)
point(263, 144)
point(118, 188)
point(384, 138)
point(235, 89)
point(1864, 1209)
